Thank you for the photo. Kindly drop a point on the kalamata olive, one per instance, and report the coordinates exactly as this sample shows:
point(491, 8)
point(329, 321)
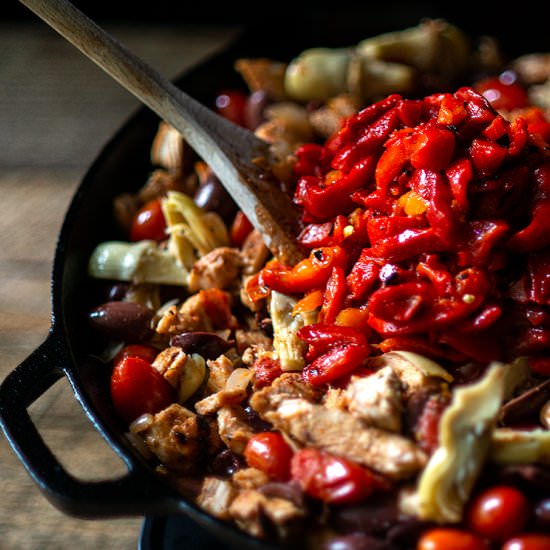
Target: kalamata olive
point(207, 344)
point(291, 491)
point(405, 533)
point(254, 109)
point(226, 463)
point(531, 478)
point(526, 405)
point(374, 517)
point(127, 321)
point(117, 292)
point(542, 514)
point(357, 541)
point(212, 197)
point(254, 421)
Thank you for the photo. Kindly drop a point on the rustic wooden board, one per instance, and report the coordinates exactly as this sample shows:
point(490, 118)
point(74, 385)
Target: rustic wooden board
point(56, 112)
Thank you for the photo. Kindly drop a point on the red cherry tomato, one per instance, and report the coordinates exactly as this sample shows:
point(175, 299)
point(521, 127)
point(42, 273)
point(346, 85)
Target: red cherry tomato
point(330, 478)
point(270, 453)
point(240, 228)
point(503, 92)
point(448, 538)
point(528, 541)
point(498, 513)
point(136, 350)
point(137, 388)
point(149, 222)
point(231, 104)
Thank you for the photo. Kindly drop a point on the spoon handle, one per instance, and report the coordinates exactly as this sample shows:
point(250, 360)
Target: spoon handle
point(226, 147)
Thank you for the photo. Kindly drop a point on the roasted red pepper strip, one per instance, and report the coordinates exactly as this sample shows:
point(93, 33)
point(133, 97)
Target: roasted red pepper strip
point(324, 201)
point(335, 295)
point(536, 235)
point(321, 337)
point(335, 363)
point(311, 273)
point(440, 208)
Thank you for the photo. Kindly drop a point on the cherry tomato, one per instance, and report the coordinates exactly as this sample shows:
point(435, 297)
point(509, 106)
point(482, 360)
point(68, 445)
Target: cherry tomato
point(137, 388)
point(149, 222)
point(448, 538)
point(240, 229)
point(270, 453)
point(528, 541)
point(503, 92)
point(231, 104)
point(498, 513)
point(330, 478)
point(136, 350)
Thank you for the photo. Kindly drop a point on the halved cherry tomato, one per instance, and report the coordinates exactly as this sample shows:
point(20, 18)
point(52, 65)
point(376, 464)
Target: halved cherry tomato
point(330, 478)
point(528, 541)
point(270, 453)
point(503, 92)
point(149, 222)
point(231, 105)
point(499, 512)
point(136, 350)
point(137, 388)
point(240, 229)
point(449, 538)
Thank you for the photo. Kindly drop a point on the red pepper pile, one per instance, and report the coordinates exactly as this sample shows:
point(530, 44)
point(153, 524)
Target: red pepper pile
point(428, 222)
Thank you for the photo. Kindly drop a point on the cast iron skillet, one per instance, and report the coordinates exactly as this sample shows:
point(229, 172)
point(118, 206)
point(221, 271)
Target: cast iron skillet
point(123, 165)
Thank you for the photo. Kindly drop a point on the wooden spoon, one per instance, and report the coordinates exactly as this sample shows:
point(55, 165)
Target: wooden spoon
point(239, 159)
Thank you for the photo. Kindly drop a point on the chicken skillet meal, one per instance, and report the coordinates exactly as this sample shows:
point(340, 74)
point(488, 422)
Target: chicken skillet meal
point(392, 389)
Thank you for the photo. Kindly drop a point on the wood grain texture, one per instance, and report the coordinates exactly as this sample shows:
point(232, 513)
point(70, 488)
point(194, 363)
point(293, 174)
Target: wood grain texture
point(57, 110)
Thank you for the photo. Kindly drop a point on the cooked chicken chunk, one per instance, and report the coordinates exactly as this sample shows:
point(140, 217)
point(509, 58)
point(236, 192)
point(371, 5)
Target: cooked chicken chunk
point(254, 253)
point(233, 428)
point(170, 362)
point(287, 386)
point(220, 268)
point(377, 399)
point(340, 433)
point(252, 510)
point(174, 436)
point(208, 310)
point(216, 496)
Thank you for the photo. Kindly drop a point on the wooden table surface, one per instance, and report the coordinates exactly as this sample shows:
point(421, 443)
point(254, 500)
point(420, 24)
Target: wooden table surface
point(57, 110)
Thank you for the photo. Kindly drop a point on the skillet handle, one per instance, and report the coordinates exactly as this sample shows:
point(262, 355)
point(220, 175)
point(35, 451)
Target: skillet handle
point(136, 493)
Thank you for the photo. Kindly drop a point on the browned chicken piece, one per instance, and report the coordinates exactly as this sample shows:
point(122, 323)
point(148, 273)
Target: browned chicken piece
point(377, 399)
point(263, 74)
point(412, 378)
point(235, 391)
point(161, 181)
point(170, 151)
point(340, 433)
point(233, 427)
point(219, 370)
point(175, 437)
point(254, 253)
point(208, 310)
point(245, 339)
point(170, 362)
point(216, 496)
point(220, 268)
point(533, 68)
point(287, 386)
point(249, 478)
point(252, 510)
point(328, 119)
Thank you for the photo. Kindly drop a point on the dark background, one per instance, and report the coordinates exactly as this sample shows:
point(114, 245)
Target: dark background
point(523, 28)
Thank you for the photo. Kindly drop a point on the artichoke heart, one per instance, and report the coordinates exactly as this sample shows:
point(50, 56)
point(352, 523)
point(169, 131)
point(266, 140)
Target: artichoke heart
point(289, 348)
point(510, 446)
point(139, 262)
point(465, 432)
